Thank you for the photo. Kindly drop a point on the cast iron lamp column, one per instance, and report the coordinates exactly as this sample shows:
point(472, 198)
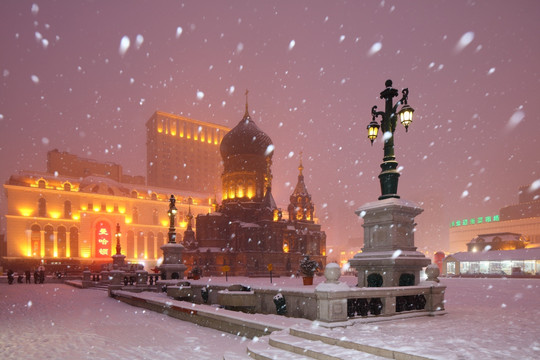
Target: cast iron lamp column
point(117, 235)
point(389, 175)
point(172, 213)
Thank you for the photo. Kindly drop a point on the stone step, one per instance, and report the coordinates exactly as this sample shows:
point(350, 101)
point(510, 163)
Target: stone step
point(234, 356)
point(262, 350)
point(315, 349)
point(318, 334)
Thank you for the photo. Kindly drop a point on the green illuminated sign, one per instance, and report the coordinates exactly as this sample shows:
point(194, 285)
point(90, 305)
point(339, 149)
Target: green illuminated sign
point(475, 221)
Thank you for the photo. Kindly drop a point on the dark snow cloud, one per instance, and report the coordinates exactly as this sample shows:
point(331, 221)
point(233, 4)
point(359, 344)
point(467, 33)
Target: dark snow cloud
point(85, 76)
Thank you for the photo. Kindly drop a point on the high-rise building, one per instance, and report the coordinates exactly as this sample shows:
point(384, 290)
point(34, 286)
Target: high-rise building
point(183, 153)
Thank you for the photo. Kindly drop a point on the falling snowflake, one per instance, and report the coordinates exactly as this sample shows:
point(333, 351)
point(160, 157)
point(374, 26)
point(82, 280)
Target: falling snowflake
point(291, 44)
point(515, 119)
point(200, 95)
point(375, 48)
point(124, 45)
point(178, 31)
point(464, 41)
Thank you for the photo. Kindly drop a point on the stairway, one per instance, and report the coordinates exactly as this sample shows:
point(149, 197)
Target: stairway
point(294, 344)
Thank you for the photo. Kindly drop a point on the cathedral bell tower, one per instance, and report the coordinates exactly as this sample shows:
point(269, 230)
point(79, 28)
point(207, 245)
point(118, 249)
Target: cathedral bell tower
point(301, 207)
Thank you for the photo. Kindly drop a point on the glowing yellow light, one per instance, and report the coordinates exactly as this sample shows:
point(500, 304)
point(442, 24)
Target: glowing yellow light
point(128, 220)
point(25, 211)
point(55, 254)
point(215, 142)
point(209, 140)
point(181, 134)
point(75, 217)
point(324, 253)
point(250, 192)
point(240, 192)
point(96, 208)
point(224, 196)
point(285, 247)
point(188, 136)
point(173, 132)
point(122, 210)
point(163, 222)
point(54, 214)
point(183, 224)
point(276, 215)
point(84, 207)
point(85, 253)
point(33, 185)
point(68, 253)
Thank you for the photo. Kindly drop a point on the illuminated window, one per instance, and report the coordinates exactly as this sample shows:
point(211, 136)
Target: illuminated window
point(285, 246)
point(61, 242)
point(67, 209)
point(73, 242)
point(42, 207)
point(135, 215)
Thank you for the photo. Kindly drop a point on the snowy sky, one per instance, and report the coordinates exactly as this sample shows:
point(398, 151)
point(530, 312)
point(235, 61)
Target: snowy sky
point(84, 77)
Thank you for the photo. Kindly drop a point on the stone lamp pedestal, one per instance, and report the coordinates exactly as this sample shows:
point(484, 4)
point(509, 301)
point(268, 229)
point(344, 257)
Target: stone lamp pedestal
point(172, 266)
point(389, 257)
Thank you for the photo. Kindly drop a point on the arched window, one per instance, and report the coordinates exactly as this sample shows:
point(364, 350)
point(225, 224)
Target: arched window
point(73, 242)
point(130, 244)
point(49, 241)
point(150, 246)
point(42, 184)
point(67, 186)
point(140, 245)
point(61, 241)
point(135, 215)
point(161, 239)
point(42, 207)
point(67, 209)
point(134, 194)
point(153, 196)
point(35, 241)
point(155, 217)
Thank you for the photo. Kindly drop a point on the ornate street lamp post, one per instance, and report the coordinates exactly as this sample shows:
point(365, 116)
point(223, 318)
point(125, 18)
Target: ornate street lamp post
point(117, 235)
point(172, 214)
point(389, 174)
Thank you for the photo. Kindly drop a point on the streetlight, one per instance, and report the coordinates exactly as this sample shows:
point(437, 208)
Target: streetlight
point(117, 235)
point(172, 213)
point(389, 175)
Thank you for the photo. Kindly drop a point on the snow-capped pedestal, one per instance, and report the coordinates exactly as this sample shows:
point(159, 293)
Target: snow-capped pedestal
point(172, 266)
point(389, 255)
point(332, 296)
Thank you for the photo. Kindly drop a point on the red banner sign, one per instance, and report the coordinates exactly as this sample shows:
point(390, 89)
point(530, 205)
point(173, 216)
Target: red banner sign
point(103, 240)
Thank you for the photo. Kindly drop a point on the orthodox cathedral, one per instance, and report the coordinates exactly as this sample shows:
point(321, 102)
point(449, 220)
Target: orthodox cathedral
point(247, 234)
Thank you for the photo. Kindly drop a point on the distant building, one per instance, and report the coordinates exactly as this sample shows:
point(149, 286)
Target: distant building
point(247, 232)
point(522, 218)
point(497, 241)
point(183, 153)
point(66, 164)
point(521, 262)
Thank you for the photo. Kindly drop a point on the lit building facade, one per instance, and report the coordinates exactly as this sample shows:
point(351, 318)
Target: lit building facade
point(183, 153)
point(60, 220)
point(248, 232)
point(522, 218)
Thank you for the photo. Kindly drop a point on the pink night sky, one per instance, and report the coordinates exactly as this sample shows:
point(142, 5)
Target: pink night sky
point(70, 80)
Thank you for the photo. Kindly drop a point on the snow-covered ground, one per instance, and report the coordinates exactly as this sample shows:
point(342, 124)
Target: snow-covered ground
point(487, 319)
